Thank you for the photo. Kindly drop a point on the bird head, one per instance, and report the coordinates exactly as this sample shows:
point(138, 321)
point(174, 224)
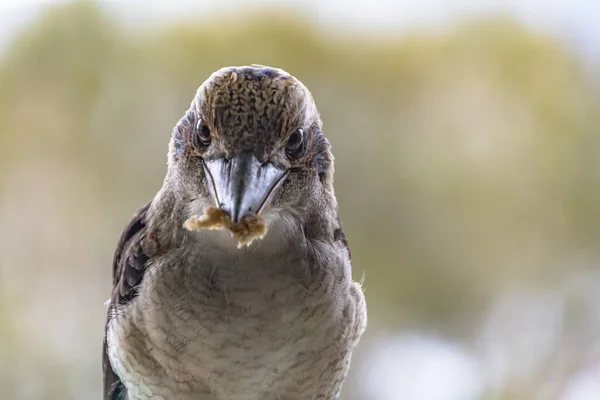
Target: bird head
point(250, 144)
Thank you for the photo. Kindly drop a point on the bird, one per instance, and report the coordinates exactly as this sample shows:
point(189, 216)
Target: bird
point(197, 314)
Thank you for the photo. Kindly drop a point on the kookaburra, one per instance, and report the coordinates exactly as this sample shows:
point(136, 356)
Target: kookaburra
point(195, 316)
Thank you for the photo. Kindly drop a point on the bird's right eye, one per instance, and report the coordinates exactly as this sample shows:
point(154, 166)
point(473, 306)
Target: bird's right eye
point(202, 136)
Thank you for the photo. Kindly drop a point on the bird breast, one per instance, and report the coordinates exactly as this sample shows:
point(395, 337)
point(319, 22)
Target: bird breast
point(228, 322)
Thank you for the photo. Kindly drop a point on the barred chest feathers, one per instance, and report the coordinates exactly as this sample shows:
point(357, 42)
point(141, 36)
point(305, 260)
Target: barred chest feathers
point(236, 327)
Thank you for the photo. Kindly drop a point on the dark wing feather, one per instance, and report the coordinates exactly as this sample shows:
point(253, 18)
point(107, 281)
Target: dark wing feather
point(129, 265)
point(340, 238)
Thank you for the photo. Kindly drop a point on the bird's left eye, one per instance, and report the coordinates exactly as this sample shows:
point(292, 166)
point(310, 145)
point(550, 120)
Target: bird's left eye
point(295, 143)
point(202, 135)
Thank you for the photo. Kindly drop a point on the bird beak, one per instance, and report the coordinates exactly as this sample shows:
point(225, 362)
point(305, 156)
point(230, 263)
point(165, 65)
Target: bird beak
point(242, 185)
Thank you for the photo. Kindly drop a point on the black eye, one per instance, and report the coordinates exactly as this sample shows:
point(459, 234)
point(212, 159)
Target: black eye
point(295, 143)
point(202, 136)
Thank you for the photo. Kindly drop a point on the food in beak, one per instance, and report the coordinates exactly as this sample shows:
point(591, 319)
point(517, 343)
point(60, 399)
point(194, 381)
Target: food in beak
point(247, 230)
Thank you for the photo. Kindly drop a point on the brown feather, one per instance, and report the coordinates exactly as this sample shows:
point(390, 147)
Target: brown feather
point(129, 265)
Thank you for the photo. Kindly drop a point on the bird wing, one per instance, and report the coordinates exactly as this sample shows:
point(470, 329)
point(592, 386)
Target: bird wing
point(357, 313)
point(129, 265)
point(339, 237)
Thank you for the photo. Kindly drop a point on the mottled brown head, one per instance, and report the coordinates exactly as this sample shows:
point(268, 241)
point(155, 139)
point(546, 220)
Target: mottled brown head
point(252, 140)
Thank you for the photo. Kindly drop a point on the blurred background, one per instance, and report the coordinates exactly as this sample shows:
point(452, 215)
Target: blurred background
point(466, 136)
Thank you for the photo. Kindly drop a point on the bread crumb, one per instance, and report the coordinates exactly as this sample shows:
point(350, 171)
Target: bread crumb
point(249, 229)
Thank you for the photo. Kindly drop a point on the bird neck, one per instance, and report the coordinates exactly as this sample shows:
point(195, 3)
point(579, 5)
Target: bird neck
point(289, 230)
